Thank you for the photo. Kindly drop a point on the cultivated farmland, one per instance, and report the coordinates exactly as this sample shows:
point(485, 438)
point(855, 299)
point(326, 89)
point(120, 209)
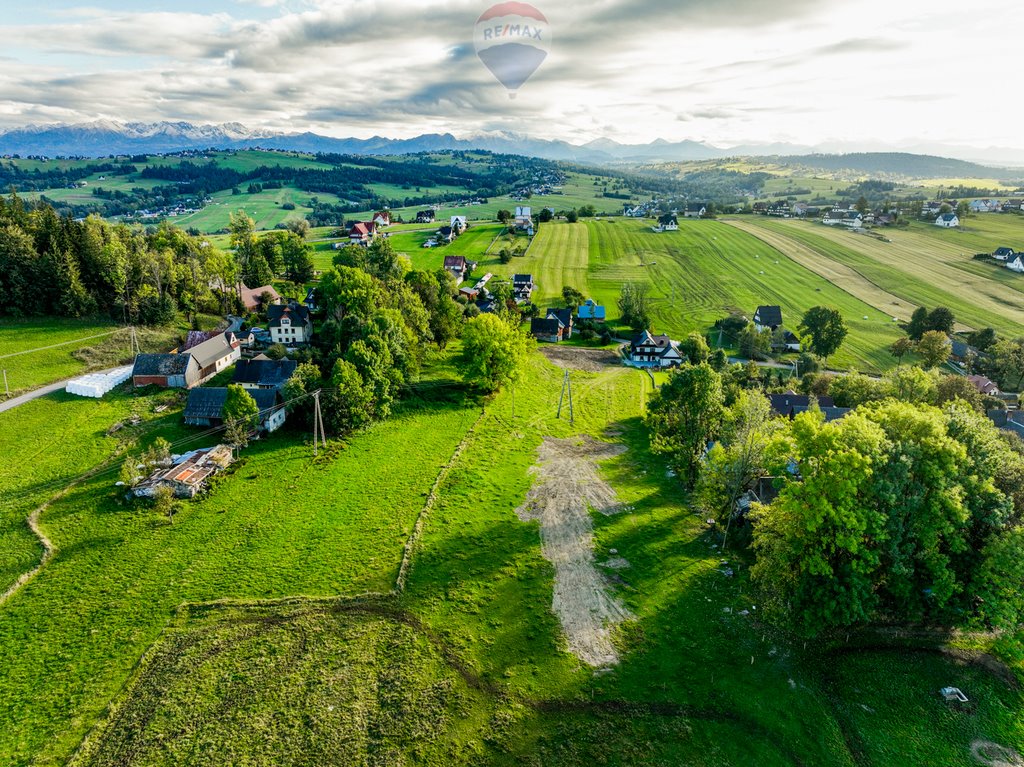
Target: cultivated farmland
point(919, 269)
point(696, 276)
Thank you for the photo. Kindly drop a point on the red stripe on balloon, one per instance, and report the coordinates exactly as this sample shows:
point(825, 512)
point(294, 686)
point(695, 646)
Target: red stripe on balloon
point(512, 9)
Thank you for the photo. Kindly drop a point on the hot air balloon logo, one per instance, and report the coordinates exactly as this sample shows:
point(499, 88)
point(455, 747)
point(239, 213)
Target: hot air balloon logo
point(512, 40)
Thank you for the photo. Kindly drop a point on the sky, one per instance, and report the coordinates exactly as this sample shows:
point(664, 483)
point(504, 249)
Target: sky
point(910, 74)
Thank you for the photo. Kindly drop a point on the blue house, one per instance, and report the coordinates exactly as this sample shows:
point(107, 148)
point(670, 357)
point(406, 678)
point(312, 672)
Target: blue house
point(591, 311)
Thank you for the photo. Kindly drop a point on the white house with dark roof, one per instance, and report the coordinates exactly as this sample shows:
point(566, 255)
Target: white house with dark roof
point(948, 221)
point(848, 218)
point(695, 210)
point(648, 350)
point(290, 324)
point(768, 318)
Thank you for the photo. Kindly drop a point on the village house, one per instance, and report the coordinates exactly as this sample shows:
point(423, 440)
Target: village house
point(791, 404)
point(984, 385)
point(457, 267)
point(948, 221)
point(459, 224)
point(522, 287)
point(591, 311)
point(524, 218)
point(1008, 420)
point(554, 327)
point(264, 373)
point(362, 233)
point(1016, 263)
point(205, 407)
point(188, 474)
point(768, 318)
point(189, 368)
point(779, 210)
point(445, 234)
point(647, 350)
point(786, 340)
point(695, 210)
point(838, 217)
point(290, 324)
point(667, 223)
point(382, 218)
point(1003, 254)
point(425, 217)
point(252, 298)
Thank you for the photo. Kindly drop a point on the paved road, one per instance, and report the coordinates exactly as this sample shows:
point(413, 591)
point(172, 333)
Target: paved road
point(49, 389)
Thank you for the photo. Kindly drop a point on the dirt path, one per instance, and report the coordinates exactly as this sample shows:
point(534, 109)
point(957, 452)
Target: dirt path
point(577, 358)
point(566, 488)
point(48, 549)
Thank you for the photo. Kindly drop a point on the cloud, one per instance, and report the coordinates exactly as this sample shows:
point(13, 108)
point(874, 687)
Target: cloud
point(725, 70)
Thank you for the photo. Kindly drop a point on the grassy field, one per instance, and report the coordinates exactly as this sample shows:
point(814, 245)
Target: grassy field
point(916, 266)
point(696, 276)
point(78, 345)
point(281, 525)
point(468, 665)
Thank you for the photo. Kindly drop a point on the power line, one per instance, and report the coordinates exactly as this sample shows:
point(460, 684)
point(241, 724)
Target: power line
point(63, 343)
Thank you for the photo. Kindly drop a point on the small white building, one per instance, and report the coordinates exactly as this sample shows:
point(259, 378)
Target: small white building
point(948, 221)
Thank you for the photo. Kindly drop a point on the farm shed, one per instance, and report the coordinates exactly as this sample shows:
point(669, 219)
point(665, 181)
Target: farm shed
point(205, 407)
point(171, 371)
point(187, 474)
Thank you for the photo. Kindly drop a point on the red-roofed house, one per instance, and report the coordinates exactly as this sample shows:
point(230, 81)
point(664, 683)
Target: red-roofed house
point(382, 218)
point(362, 233)
point(984, 385)
point(252, 298)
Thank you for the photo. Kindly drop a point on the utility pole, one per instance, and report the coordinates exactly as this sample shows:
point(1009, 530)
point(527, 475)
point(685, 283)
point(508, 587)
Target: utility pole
point(561, 397)
point(572, 416)
point(318, 425)
point(7, 388)
point(513, 403)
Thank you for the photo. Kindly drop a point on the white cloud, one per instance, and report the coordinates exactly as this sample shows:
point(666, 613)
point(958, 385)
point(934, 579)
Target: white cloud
point(724, 71)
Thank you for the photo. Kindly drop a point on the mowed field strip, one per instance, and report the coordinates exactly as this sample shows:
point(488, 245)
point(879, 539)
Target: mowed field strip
point(919, 268)
point(840, 275)
point(696, 276)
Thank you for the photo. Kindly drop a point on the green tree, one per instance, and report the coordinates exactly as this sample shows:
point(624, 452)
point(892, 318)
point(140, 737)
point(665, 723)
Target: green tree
point(684, 416)
point(504, 216)
point(494, 352)
point(695, 349)
point(635, 305)
point(240, 414)
point(1008, 363)
point(738, 460)
point(855, 390)
point(256, 271)
point(934, 348)
point(952, 387)
point(349, 404)
point(918, 324)
point(983, 339)
point(911, 384)
point(825, 328)
point(753, 343)
point(572, 216)
point(941, 319)
point(862, 204)
point(164, 503)
point(572, 297)
point(900, 348)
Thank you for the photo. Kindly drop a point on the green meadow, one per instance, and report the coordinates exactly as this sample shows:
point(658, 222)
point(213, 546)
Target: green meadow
point(262, 626)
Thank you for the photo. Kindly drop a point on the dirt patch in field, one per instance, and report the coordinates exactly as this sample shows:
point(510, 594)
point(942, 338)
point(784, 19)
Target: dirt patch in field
point(994, 755)
point(566, 488)
point(575, 358)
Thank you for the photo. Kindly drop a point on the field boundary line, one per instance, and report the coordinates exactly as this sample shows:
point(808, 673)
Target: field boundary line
point(428, 505)
point(63, 343)
point(48, 548)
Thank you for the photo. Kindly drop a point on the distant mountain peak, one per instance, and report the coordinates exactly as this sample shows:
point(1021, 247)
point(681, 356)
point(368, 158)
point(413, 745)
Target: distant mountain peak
point(105, 136)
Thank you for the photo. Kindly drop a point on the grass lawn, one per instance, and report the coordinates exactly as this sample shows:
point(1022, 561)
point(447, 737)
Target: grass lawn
point(919, 269)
